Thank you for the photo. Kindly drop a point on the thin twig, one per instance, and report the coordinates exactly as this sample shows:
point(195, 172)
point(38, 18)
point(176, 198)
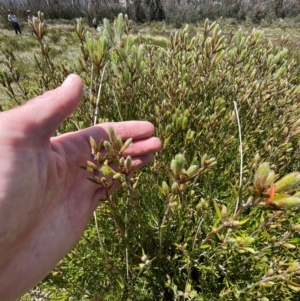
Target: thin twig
point(95, 122)
point(117, 104)
point(98, 96)
point(98, 233)
point(161, 229)
point(196, 235)
point(91, 87)
point(241, 157)
point(126, 250)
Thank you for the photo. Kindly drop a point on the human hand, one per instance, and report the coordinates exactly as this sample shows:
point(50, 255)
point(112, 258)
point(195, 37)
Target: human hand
point(45, 198)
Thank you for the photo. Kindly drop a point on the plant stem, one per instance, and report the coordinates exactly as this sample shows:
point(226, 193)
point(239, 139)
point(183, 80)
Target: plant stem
point(228, 223)
point(161, 229)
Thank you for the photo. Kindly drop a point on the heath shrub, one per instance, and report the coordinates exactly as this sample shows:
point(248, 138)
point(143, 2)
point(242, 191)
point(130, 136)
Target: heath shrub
point(215, 216)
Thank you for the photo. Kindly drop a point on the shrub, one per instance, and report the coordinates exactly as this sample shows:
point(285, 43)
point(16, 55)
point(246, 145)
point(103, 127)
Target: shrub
point(215, 216)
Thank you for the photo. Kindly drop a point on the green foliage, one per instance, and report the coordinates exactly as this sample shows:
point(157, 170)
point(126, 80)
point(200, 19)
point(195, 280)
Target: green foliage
point(214, 217)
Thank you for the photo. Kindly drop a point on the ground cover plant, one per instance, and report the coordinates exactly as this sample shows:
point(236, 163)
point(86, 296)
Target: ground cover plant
point(215, 216)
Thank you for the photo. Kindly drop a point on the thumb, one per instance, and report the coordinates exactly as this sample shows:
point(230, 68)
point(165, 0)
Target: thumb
point(42, 115)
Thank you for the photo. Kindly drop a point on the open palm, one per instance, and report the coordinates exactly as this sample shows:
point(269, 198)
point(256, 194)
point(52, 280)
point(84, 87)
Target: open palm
point(45, 198)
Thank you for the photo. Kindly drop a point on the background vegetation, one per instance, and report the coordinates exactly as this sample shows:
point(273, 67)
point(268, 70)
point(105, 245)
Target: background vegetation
point(201, 222)
point(175, 12)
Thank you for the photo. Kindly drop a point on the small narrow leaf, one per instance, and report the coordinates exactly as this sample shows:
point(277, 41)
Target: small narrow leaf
point(126, 145)
point(217, 208)
point(112, 135)
point(94, 181)
point(92, 165)
point(93, 145)
point(87, 168)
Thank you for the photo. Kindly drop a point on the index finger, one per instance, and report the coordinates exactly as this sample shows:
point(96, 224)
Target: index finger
point(128, 129)
point(140, 131)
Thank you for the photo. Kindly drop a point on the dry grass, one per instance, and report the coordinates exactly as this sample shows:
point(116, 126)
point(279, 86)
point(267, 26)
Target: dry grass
point(60, 37)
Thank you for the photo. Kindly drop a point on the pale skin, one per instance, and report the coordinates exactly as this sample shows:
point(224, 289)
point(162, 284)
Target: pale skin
point(46, 200)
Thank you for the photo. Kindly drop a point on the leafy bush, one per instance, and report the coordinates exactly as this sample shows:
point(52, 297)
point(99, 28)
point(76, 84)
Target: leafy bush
point(215, 216)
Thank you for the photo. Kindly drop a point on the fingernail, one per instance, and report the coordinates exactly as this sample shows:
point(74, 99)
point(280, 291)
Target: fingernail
point(68, 80)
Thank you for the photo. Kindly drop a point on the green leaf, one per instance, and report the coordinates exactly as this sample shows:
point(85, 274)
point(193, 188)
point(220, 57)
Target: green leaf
point(217, 208)
point(251, 250)
point(294, 288)
point(244, 221)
